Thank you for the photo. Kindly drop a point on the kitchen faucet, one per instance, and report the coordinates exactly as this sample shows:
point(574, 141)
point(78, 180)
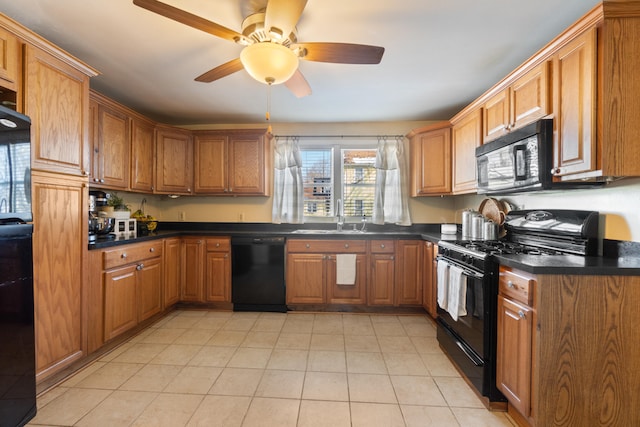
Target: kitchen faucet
point(339, 215)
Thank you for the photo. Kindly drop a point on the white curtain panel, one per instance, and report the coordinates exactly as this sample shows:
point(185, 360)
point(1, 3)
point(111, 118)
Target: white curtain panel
point(288, 193)
point(391, 203)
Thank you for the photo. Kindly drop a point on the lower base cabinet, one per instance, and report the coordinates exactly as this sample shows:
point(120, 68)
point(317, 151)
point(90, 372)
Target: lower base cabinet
point(193, 253)
point(382, 273)
point(218, 270)
point(172, 271)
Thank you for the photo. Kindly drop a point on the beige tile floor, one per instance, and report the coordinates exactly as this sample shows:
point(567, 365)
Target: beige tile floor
point(212, 368)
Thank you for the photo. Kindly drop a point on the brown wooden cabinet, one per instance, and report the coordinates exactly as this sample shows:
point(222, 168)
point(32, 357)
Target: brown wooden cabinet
point(192, 266)
point(524, 101)
point(60, 207)
point(430, 149)
point(429, 278)
point(132, 283)
point(515, 337)
point(466, 136)
point(575, 106)
point(382, 272)
point(57, 101)
point(232, 162)
point(111, 144)
point(10, 66)
point(174, 161)
point(409, 260)
point(172, 271)
point(311, 272)
point(142, 155)
point(218, 270)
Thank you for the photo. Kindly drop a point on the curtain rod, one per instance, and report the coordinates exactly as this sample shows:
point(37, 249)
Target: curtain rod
point(339, 136)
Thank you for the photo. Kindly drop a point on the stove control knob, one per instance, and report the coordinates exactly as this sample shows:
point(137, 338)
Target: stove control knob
point(464, 258)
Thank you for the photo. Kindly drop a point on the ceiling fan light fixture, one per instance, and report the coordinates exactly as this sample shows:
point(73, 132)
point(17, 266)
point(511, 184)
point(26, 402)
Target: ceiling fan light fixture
point(269, 63)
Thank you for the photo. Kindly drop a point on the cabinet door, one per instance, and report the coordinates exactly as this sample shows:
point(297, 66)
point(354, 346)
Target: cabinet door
point(192, 270)
point(174, 161)
point(346, 294)
point(429, 300)
point(149, 282)
point(210, 163)
point(247, 166)
point(218, 277)
point(111, 148)
point(142, 155)
point(305, 279)
point(9, 61)
point(467, 135)
point(382, 279)
point(575, 106)
point(431, 163)
point(530, 97)
point(496, 116)
point(57, 100)
point(120, 313)
point(59, 257)
point(513, 360)
point(409, 272)
point(172, 271)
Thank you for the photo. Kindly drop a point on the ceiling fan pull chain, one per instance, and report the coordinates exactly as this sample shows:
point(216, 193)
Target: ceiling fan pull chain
point(268, 114)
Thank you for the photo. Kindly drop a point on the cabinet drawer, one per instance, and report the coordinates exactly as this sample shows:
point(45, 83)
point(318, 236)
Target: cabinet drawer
point(382, 246)
point(219, 244)
point(517, 285)
point(128, 254)
point(327, 246)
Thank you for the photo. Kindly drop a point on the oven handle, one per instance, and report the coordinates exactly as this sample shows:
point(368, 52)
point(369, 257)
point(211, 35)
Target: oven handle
point(471, 357)
point(465, 269)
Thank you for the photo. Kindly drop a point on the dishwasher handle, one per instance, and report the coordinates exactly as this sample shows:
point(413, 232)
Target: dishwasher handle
point(260, 240)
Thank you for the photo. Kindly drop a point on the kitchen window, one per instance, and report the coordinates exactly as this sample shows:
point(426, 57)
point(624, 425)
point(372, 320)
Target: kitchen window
point(340, 172)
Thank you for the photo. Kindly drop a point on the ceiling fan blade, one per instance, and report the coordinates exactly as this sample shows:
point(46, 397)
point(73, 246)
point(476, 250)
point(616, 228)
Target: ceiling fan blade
point(283, 15)
point(221, 71)
point(298, 85)
point(189, 19)
point(341, 53)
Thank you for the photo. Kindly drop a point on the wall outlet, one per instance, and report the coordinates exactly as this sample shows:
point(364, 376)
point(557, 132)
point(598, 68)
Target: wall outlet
point(241, 217)
point(182, 216)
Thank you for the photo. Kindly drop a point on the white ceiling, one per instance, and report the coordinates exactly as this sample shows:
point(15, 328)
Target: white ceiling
point(439, 56)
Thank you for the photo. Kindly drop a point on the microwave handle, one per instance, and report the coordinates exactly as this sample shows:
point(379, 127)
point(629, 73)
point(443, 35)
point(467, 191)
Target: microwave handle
point(520, 162)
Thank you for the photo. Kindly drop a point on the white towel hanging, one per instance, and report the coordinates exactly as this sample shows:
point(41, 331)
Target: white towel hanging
point(443, 283)
point(457, 297)
point(346, 269)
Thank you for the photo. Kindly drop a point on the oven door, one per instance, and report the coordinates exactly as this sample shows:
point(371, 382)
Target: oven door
point(470, 327)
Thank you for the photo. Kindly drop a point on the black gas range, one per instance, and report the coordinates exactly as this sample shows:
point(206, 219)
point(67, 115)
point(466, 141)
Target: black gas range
point(468, 270)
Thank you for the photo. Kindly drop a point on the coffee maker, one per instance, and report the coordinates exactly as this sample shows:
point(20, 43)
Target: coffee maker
point(100, 226)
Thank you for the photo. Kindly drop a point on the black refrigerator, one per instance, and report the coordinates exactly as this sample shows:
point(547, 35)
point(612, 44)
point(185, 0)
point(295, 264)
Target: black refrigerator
point(17, 338)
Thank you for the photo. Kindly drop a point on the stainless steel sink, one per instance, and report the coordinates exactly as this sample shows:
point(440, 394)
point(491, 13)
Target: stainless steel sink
point(316, 231)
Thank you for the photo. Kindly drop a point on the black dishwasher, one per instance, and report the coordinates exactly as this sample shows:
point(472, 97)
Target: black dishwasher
point(257, 274)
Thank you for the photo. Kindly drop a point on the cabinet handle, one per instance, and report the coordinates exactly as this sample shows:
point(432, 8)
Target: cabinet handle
point(217, 245)
point(555, 171)
point(124, 255)
point(85, 173)
point(226, 255)
point(382, 245)
point(139, 267)
point(230, 190)
point(521, 314)
point(346, 245)
point(510, 284)
point(152, 249)
point(307, 246)
point(393, 257)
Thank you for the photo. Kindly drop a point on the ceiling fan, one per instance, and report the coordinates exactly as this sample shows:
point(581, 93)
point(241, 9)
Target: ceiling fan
point(271, 51)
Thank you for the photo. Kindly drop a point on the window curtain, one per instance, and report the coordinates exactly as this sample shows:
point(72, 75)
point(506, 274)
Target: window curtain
point(288, 193)
point(391, 203)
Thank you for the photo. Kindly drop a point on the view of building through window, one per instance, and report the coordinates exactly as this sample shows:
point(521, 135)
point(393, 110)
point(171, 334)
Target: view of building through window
point(351, 177)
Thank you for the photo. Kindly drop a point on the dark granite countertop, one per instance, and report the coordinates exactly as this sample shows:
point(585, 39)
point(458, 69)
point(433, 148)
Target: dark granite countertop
point(622, 260)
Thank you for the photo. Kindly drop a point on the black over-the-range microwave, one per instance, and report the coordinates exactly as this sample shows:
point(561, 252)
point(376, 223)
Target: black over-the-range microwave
point(520, 161)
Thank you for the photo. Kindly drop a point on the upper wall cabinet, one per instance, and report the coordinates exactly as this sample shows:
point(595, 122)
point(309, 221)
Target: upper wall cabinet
point(174, 161)
point(9, 61)
point(57, 100)
point(142, 155)
point(524, 101)
point(466, 136)
point(430, 149)
point(111, 139)
point(232, 162)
